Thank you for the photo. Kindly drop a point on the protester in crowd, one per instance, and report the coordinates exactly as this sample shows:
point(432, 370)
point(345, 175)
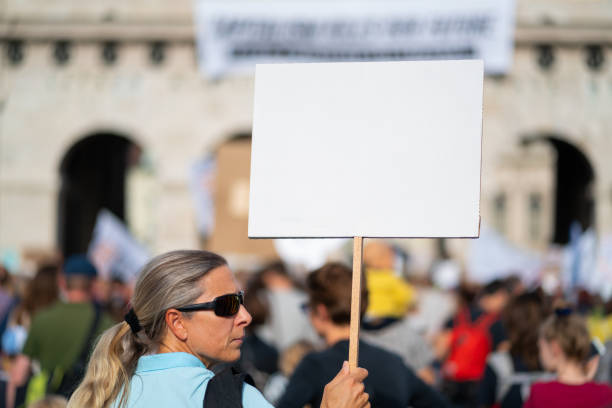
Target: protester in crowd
point(385, 323)
point(599, 320)
point(436, 300)
point(286, 323)
point(61, 336)
point(565, 344)
point(389, 295)
point(399, 337)
point(390, 383)
point(118, 298)
point(40, 292)
point(474, 332)
point(6, 283)
point(595, 360)
point(291, 357)
point(515, 285)
point(604, 368)
point(258, 358)
point(187, 316)
point(7, 298)
point(509, 374)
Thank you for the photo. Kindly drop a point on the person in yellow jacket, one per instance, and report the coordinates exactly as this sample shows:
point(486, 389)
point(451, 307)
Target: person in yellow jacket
point(390, 299)
point(390, 296)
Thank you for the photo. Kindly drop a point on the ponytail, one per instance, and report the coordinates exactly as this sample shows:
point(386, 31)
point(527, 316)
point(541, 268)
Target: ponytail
point(110, 368)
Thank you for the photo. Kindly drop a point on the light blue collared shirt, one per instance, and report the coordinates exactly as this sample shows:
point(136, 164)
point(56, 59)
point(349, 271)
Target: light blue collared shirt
point(177, 380)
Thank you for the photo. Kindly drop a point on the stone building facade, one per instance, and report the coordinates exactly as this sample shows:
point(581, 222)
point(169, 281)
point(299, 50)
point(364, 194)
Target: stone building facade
point(73, 70)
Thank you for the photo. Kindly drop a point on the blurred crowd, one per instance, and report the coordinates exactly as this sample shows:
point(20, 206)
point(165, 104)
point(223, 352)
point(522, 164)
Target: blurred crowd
point(49, 324)
point(502, 344)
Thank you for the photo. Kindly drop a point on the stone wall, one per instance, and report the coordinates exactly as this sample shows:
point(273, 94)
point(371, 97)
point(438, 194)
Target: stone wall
point(176, 116)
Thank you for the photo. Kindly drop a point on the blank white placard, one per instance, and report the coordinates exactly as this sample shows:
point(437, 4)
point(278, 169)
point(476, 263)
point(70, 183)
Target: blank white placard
point(380, 149)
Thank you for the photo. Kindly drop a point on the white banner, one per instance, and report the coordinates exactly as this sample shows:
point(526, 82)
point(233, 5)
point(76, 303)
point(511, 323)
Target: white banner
point(201, 183)
point(233, 35)
point(493, 257)
point(602, 276)
point(114, 251)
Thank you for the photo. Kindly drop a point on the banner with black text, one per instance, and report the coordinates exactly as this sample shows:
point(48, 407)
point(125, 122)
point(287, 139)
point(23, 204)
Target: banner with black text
point(234, 35)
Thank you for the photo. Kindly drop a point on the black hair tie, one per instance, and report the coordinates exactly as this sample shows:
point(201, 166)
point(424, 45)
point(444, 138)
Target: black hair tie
point(132, 320)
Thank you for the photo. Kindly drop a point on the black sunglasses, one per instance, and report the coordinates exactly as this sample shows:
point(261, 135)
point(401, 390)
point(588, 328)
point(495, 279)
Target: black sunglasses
point(225, 305)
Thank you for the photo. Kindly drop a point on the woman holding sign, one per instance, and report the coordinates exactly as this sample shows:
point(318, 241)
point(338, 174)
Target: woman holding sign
point(187, 316)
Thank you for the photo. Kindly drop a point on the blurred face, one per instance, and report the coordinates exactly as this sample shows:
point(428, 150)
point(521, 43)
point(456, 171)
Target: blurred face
point(101, 290)
point(216, 338)
point(495, 302)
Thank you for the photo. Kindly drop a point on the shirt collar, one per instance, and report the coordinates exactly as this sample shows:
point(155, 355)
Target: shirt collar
point(163, 361)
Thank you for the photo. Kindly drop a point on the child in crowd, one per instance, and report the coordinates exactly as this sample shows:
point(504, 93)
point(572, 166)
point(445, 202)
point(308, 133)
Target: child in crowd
point(564, 345)
point(509, 374)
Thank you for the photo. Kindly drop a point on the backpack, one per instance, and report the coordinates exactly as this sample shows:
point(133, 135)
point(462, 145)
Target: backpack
point(470, 346)
point(503, 367)
point(64, 382)
point(224, 390)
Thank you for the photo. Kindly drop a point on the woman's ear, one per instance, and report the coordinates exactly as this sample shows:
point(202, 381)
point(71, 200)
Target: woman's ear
point(175, 323)
point(321, 312)
point(556, 349)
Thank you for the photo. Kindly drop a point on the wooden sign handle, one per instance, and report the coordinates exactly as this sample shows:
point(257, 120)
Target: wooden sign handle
point(355, 303)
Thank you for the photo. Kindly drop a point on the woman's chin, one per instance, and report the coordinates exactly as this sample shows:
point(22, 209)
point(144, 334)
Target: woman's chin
point(231, 356)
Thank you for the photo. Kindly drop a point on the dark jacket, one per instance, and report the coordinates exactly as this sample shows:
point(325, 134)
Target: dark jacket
point(390, 383)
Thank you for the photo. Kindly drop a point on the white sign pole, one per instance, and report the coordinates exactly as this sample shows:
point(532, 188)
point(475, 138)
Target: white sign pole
point(355, 302)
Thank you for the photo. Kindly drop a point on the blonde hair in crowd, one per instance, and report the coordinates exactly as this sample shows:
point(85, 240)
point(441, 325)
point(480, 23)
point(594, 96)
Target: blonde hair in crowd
point(50, 401)
point(167, 281)
point(571, 333)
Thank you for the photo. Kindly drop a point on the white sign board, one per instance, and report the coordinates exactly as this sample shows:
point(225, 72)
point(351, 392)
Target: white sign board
point(366, 149)
point(234, 35)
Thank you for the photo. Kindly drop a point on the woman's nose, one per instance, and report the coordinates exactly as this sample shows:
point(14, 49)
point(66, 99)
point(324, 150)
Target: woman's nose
point(244, 317)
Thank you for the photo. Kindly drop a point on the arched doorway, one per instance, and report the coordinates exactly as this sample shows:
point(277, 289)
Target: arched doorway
point(92, 174)
point(574, 174)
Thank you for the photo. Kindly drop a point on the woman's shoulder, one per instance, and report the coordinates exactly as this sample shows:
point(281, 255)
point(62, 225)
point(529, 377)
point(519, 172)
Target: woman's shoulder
point(554, 384)
point(168, 361)
point(168, 379)
point(602, 389)
point(556, 389)
point(545, 385)
point(252, 398)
